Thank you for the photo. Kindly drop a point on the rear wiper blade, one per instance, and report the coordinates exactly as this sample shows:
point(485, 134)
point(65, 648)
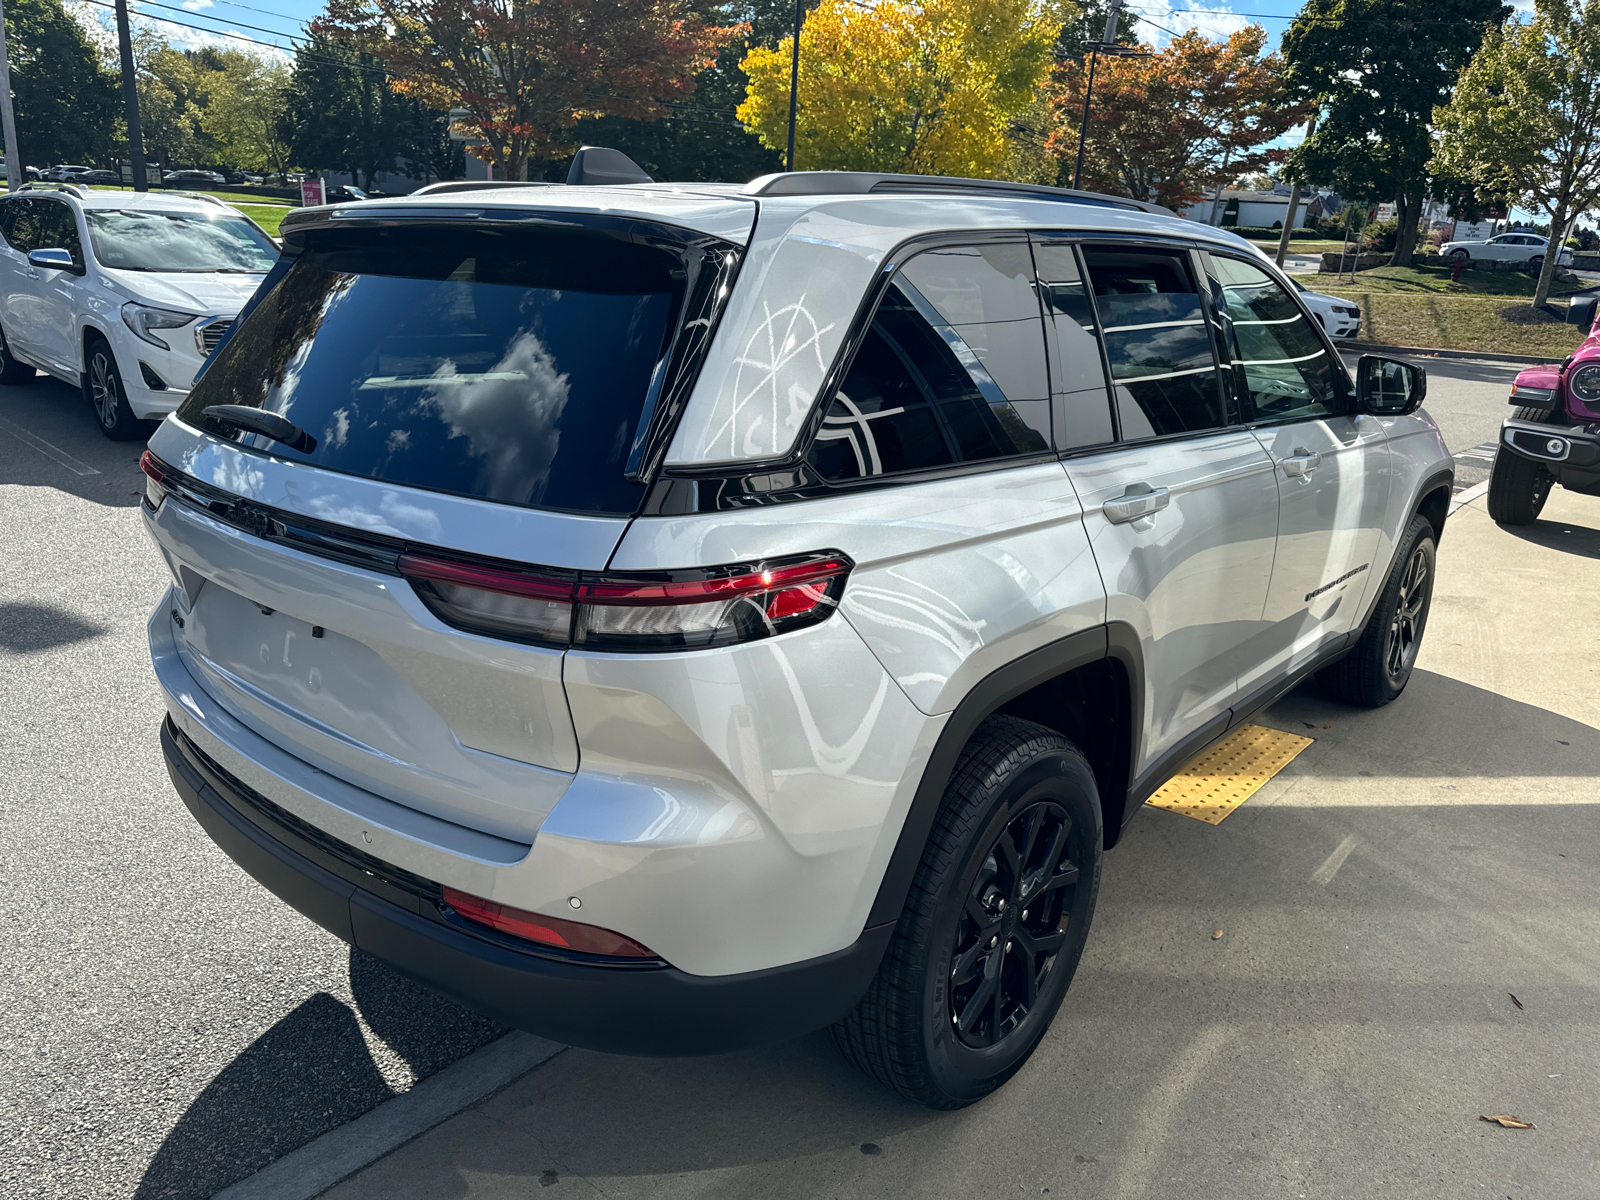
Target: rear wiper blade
point(268, 425)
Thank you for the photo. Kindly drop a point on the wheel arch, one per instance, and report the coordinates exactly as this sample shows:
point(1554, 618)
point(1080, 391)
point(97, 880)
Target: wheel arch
point(1088, 686)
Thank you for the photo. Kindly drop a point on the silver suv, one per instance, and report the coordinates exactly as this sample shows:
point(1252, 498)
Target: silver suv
point(669, 618)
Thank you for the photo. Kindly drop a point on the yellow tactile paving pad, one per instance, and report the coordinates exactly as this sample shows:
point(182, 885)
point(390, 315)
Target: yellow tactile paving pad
point(1225, 776)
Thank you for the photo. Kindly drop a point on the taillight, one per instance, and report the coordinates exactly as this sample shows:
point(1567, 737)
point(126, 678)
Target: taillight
point(155, 471)
point(668, 610)
point(546, 931)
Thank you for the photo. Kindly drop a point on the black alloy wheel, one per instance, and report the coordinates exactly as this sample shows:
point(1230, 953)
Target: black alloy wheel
point(1009, 932)
point(1405, 628)
point(995, 923)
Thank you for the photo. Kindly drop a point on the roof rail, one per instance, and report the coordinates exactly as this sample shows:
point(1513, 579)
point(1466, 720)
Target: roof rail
point(475, 185)
point(45, 185)
point(857, 183)
point(202, 196)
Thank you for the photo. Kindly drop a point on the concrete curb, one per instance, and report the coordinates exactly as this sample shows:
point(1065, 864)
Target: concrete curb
point(1467, 495)
point(340, 1153)
point(1380, 347)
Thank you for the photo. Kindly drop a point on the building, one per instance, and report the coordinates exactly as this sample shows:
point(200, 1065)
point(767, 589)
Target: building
point(1255, 210)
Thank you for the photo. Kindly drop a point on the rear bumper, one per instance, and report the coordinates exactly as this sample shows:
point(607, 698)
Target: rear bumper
point(651, 1009)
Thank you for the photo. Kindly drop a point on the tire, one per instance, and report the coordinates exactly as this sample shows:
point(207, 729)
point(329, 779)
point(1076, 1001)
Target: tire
point(1536, 261)
point(1464, 255)
point(13, 371)
point(1378, 668)
point(1014, 858)
point(102, 388)
point(1518, 489)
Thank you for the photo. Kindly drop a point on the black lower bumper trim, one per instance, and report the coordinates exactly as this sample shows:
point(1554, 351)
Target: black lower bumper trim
point(1560, 447)
point(622, 1010)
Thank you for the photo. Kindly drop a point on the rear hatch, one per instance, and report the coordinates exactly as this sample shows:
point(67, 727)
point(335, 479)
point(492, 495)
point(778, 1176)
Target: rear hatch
point(486, 393)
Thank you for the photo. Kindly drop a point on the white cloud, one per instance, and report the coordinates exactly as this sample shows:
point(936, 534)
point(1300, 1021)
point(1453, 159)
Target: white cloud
point(196, 5)
point(1214, 23)
point(186, 37)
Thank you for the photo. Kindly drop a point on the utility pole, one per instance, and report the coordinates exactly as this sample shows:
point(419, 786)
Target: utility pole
point(1294, 205)
point(8, 117)
point(1108, 45)
point(794, 80)
point(130, 99)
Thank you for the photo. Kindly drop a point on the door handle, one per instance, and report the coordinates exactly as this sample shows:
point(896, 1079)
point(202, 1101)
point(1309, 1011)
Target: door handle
point(1301, 463)
point(1132, 505)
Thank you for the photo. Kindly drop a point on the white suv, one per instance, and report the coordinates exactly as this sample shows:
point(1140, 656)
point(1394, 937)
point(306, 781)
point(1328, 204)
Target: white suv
point(121, 294)
point(670, 618)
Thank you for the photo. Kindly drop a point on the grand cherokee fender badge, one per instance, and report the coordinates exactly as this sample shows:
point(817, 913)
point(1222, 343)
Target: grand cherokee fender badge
point(1350, 574)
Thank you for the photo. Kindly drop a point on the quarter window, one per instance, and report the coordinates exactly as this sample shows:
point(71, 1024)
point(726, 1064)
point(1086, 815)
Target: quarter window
point(1282, 368)
point(1156, 341)
point(950, 370)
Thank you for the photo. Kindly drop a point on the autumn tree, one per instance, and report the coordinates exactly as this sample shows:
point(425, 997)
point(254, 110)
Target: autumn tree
point(244, 109)
point(1525, 117)
point(528, 70)
point(931, 87)
point(1375, 70)
point(1195, 116)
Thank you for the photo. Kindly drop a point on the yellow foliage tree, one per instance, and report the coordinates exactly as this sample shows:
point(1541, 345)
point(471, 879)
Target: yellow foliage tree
point(941, 87)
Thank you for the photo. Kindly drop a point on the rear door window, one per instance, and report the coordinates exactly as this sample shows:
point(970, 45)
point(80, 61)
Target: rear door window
point(1156, 340)
point(507, 365)
point(1077, 373)
point(951, 370)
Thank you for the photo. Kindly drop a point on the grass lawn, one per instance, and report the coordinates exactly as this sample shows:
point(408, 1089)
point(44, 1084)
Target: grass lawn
point(1431, 280)
point(231, 197)
point(268, 216)
point(1458, 323)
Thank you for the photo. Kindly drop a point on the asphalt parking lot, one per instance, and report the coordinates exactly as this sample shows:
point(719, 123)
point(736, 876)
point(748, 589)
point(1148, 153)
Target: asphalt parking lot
point(172, 1028)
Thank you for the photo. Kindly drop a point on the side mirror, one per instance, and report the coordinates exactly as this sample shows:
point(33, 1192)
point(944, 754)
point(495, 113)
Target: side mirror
point(52, 260)
point(1387, 387)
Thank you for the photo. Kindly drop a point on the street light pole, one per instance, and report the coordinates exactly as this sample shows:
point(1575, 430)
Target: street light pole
point(8, 117)
point(794, 80)
point(1107, 43)
point(130, 99)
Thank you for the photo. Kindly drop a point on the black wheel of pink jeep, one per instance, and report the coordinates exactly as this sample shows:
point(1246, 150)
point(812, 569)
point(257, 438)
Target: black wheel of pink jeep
point(996, 921)
point(1518, 489)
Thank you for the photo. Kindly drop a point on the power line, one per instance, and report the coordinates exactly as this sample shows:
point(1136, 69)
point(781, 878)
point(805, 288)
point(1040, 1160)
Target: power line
point(144, 4)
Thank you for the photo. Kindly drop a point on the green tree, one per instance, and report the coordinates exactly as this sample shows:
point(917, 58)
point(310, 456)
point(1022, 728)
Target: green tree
point(169, 116)
point(1525, 118)
point(341, 113)
point(1375, 70)
point(67, 104)
point(244, 111)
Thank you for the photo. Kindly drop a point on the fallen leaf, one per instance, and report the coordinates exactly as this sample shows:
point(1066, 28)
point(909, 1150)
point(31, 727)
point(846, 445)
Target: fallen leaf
point(1215, 934)
point(1327, 726)
point(1514, 1000)
point(1506, 1122)
point(1557, 1075)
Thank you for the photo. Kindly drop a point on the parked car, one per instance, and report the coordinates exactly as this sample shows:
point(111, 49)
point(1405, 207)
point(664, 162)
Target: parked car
point(249, 178)
point(1552, 437)
point(1340, 317)
point(122, 295)
point(64, 173)
point(1507, 247)
point(340, 193)
point(672, 619)
point(192, 179)
point(101, 178)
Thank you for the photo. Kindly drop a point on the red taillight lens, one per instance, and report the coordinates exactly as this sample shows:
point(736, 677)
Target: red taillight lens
point(155, 471)
point(546, 931)
point(676, 610)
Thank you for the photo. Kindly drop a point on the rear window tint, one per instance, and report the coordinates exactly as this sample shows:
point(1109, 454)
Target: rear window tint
point(508, 366)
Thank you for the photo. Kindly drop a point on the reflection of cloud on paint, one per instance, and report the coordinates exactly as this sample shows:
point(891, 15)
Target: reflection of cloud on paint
point(1217, 22)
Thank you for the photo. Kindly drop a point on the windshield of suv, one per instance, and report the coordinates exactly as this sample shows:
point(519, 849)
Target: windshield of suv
point(510, 366)
point(145, 240)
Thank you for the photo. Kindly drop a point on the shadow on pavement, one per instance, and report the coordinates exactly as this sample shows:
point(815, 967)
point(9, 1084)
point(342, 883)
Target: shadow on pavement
point(309, 1073)
point(1561, 535)
point(57, 414)
point(25, 628)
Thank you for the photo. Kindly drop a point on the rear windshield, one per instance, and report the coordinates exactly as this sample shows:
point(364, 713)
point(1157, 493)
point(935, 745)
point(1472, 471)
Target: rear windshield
point(510, 366)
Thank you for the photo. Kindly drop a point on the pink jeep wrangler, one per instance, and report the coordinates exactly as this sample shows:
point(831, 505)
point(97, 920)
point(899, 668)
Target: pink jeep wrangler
point(1552, 437)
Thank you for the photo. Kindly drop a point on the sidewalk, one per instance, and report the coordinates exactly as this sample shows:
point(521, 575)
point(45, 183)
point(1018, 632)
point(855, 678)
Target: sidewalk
point(1382, 898)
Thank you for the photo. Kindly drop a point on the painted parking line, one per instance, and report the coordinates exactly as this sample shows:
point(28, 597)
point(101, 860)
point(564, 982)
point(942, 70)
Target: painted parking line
point(1467, 495)
point(45, 448)
point(1228, 774)
point(1330, 865)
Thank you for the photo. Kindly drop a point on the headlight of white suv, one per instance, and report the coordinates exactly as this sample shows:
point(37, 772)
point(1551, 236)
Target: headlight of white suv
point(141, 318)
